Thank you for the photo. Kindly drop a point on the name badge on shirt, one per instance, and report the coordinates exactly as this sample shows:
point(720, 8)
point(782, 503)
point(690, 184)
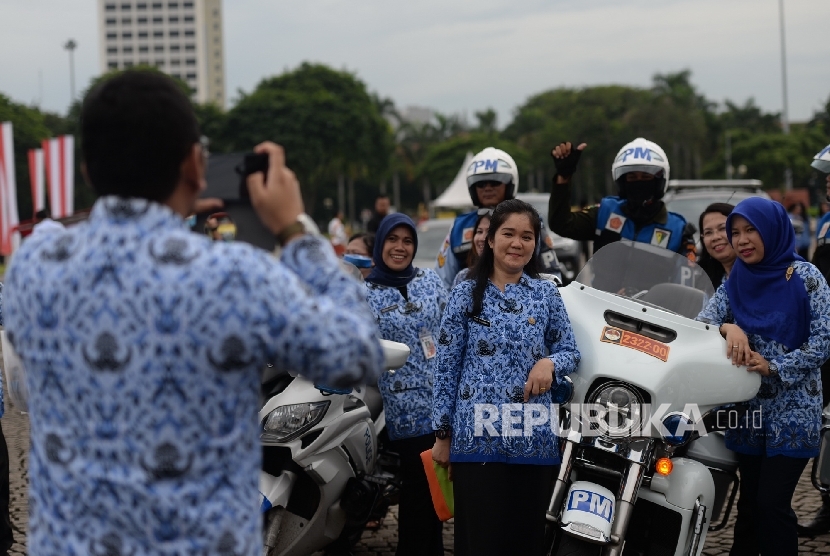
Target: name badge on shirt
point(427, 343)
point(389, 309)
point(481, 321)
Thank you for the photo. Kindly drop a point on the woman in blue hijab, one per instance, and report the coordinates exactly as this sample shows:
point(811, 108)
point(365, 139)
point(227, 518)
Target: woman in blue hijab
point(774, 312)
point(407, 303)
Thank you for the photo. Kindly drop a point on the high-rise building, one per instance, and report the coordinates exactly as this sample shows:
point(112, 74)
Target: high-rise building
point(182, 38)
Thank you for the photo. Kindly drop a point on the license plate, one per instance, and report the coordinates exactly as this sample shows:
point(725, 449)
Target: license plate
point(631, 340)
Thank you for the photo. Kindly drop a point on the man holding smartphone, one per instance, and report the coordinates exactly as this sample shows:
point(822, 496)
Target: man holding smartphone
point(143, 342)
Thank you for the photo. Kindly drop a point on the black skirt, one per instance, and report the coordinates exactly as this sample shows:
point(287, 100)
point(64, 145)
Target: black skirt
point(500, 508)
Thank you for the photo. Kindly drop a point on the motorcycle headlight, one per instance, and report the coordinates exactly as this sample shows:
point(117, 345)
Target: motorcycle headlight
point(620, 409)
point(287, 422)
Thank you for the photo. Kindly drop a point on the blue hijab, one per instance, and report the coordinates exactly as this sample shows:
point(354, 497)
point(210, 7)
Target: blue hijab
point(761, 297)
point(382, 274)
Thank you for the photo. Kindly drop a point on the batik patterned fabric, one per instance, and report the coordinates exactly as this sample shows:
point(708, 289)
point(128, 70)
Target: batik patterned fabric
point(790, 403)
point(487, 359)
point(143, 344)
point(407, 393)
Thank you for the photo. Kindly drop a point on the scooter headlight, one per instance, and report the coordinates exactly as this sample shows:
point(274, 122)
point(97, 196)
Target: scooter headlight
point(287, 422)
point(620, 409)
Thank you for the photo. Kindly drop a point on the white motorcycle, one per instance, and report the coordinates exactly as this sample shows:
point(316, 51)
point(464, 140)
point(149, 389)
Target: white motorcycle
point(643, 471)
point(321, 467)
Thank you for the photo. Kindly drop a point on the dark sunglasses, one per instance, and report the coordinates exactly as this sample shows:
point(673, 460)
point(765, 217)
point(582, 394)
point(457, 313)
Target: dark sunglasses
point(483, 184)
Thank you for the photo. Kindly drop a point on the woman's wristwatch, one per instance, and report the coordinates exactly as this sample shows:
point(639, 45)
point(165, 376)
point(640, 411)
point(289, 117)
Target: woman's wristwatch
point(443, 434)
point(303, 225)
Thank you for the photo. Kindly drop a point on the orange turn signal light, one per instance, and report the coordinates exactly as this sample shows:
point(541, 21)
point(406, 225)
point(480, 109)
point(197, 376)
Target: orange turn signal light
point(663, 466)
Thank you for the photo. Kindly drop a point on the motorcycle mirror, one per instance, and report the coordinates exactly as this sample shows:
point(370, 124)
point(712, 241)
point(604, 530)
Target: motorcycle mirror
point(395, 354)
point(329, 390)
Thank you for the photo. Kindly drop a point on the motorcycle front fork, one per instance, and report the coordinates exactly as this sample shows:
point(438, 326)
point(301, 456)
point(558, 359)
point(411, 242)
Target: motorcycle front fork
point(638, 455)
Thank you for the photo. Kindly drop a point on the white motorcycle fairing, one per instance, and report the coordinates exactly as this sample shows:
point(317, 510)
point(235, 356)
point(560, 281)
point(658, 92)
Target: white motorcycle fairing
point(697, 370)
point(325, 460)
point(633, 324)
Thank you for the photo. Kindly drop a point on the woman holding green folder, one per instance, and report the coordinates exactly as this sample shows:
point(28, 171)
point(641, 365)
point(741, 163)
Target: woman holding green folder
point(505, 340)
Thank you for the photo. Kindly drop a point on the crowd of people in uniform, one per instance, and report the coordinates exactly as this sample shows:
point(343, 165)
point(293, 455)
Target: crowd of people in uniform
point(126, 323)
point(487, 262)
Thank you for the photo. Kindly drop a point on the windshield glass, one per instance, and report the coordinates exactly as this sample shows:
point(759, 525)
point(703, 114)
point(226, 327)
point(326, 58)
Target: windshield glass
point(691, 208)
point(650, 275)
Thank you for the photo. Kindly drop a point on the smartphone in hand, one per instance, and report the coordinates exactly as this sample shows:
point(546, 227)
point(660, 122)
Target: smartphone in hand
point(251, 164)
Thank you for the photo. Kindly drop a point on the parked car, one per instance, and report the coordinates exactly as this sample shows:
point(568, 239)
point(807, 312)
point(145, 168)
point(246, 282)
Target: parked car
point(568, 251)
point(689, 198)
point(431, 235)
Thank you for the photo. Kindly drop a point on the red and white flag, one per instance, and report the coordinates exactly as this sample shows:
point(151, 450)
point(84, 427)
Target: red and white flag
point(8, 192)
point(59, 153)
point(38, 180)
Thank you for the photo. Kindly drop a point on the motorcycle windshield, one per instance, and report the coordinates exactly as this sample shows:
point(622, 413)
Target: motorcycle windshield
point(650, 275)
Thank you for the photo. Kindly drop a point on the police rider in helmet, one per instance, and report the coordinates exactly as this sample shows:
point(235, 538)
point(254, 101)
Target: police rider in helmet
point(641, 172)
point(492, 177)
point(821, 258)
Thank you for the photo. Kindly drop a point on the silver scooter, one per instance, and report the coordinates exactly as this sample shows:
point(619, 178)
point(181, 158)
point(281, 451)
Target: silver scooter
point(322, 474)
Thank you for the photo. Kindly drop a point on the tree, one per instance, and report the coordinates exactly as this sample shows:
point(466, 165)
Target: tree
point(326, 119)
point(29, 129)
point(487, 121)
point(212, 121)
point(605, 117)
point(442, 160)
point(821, 119)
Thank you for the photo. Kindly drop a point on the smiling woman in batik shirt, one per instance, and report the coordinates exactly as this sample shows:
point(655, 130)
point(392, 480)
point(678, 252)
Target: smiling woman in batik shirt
point(774, 311)
point(505, 339)
point(407, 303)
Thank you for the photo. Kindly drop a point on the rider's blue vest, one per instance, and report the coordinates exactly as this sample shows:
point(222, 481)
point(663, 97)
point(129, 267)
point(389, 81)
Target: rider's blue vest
point(823, 230)
point(613, 225)
point(461, 237)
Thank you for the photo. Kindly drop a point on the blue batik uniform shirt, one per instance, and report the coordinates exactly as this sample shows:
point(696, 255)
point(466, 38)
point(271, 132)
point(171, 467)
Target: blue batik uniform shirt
point(486, 360)
point(143, 345)
point(407, 393)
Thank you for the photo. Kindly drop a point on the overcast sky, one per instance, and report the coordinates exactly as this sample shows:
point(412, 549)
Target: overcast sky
point(456, 56)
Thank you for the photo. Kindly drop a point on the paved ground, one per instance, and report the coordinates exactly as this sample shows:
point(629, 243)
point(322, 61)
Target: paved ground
point(374, 543)
point(16, 431)
point(805, 502)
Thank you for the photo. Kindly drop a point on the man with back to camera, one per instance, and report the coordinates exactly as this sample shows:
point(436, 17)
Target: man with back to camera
point(641, 172)
point(820, 524)
point(144, 342)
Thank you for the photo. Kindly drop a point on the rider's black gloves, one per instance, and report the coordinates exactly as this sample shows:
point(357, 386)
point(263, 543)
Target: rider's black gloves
point(566, 166)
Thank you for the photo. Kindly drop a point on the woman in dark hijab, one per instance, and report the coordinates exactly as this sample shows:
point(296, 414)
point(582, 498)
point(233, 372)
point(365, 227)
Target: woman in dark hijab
point(407, 303)
point(774, 311)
